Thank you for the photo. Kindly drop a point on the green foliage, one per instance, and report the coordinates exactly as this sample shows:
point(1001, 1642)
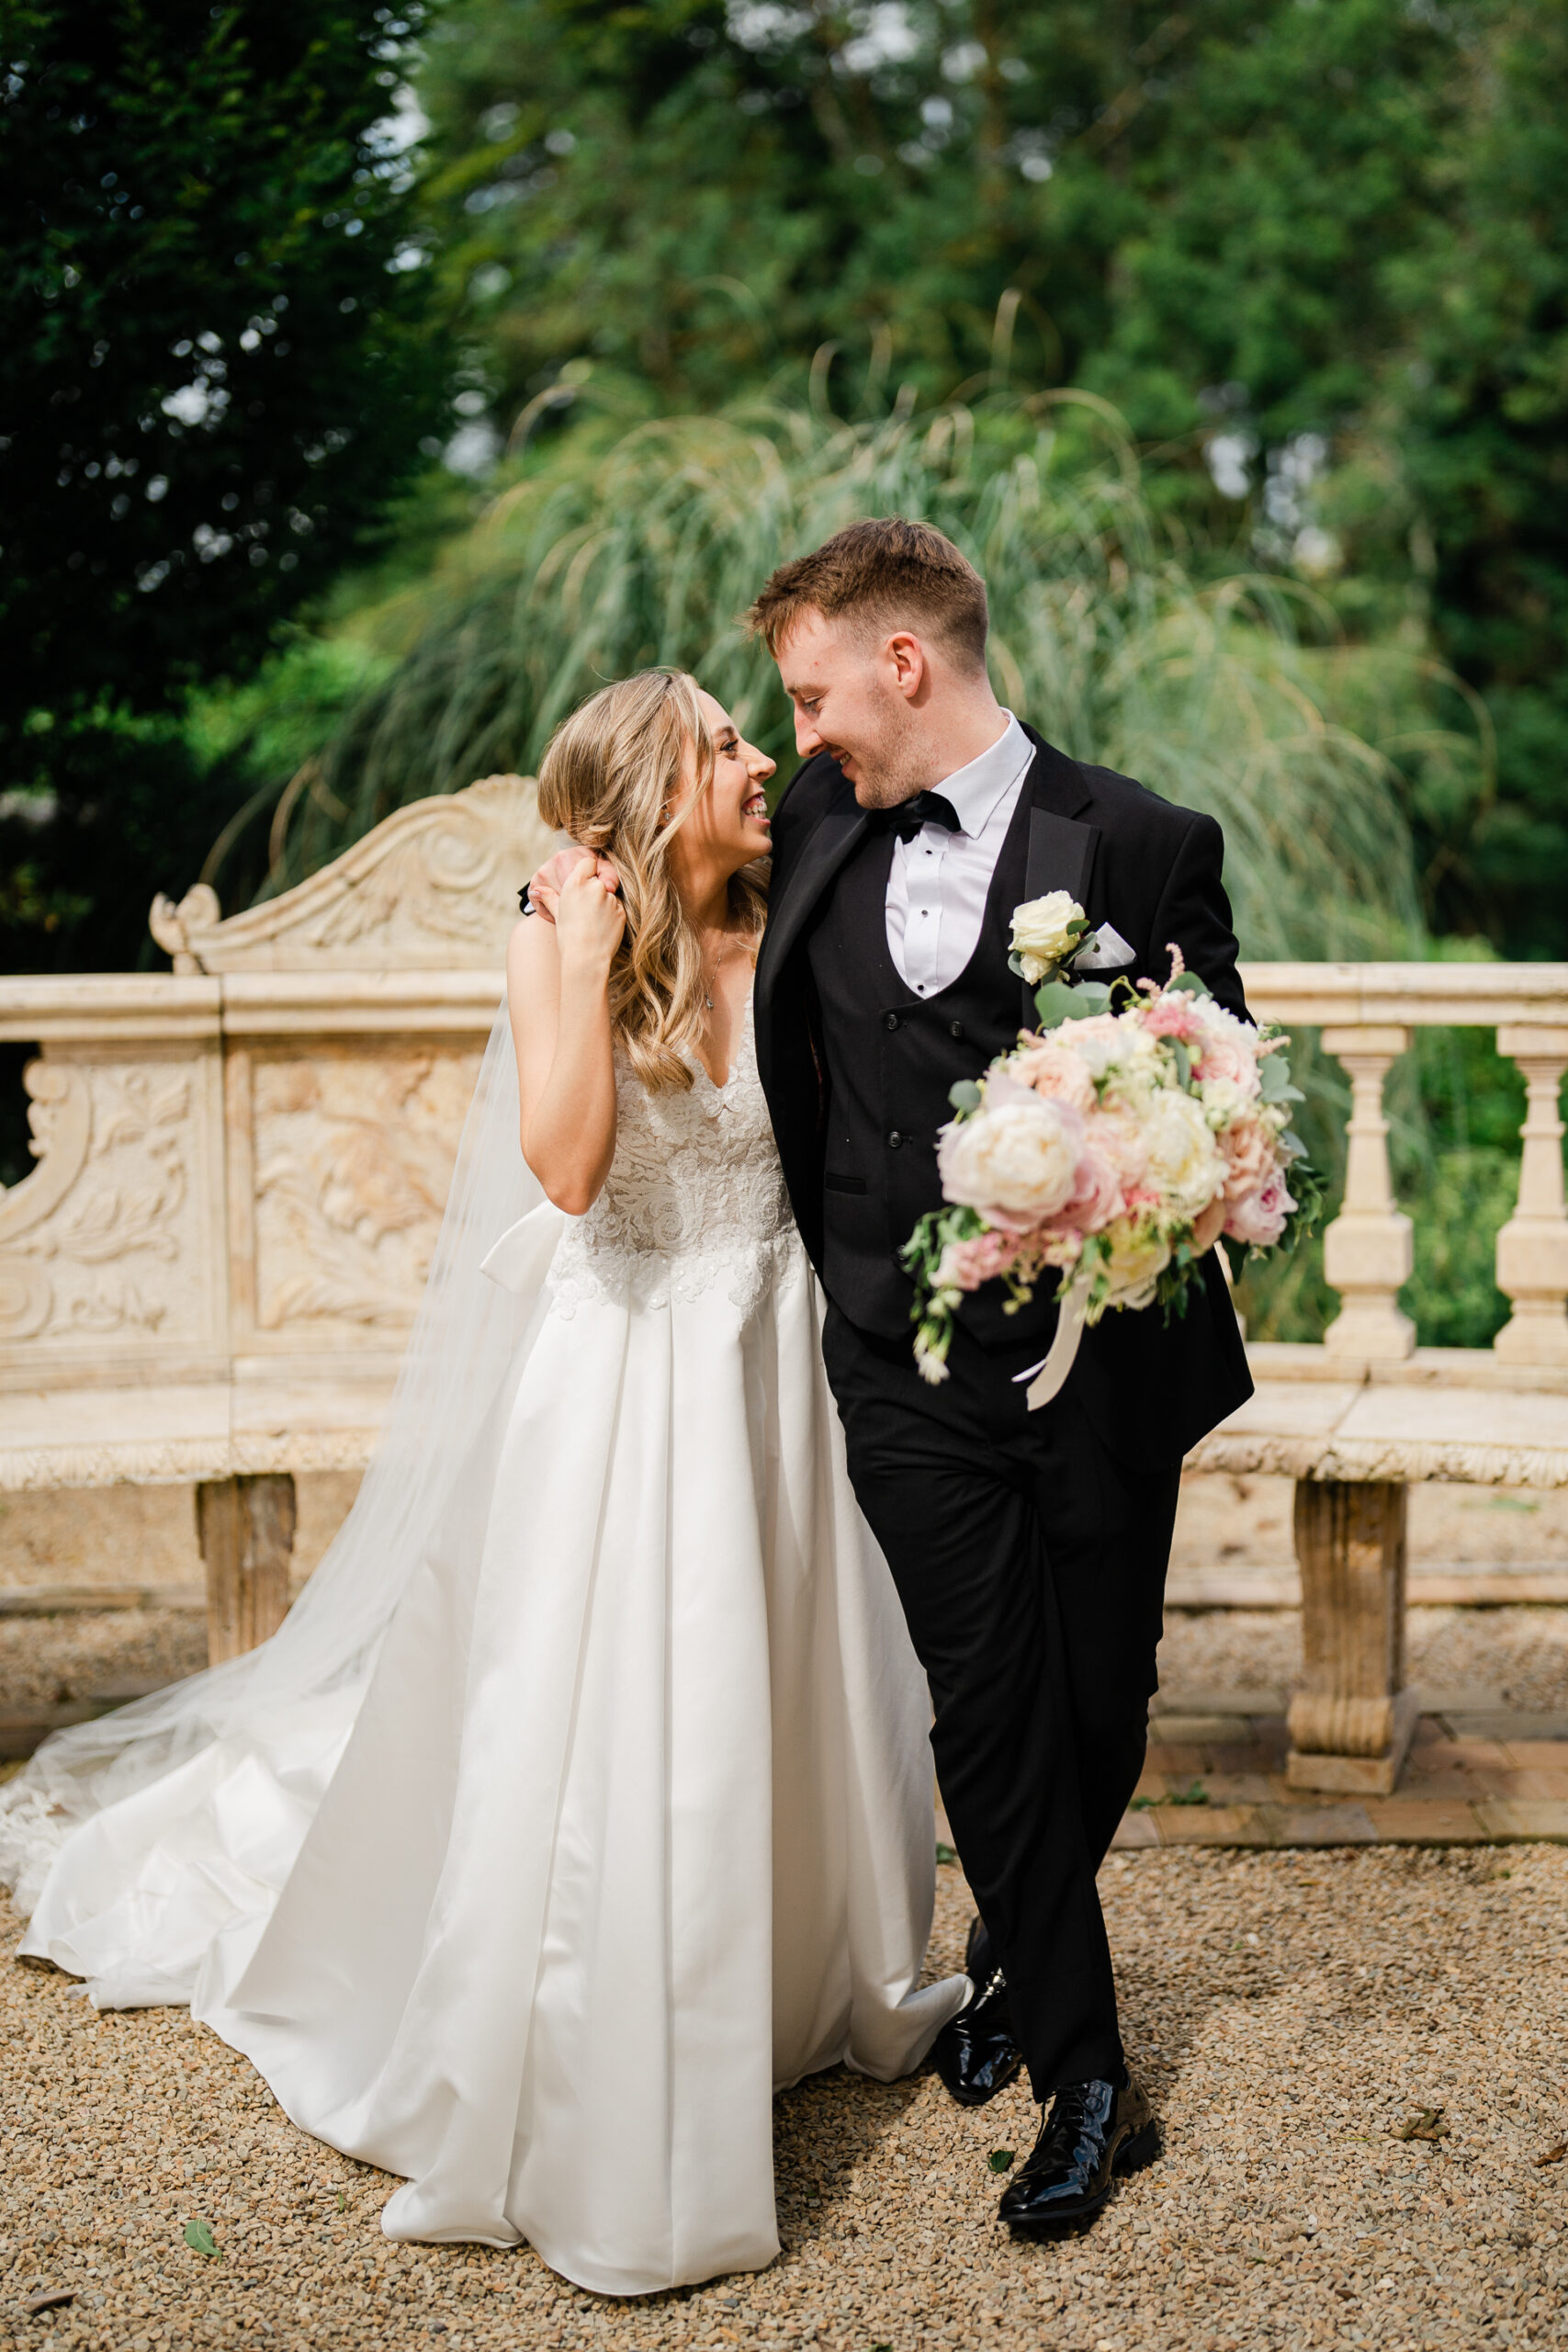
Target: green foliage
point(1326, 242)
point(601, 560)
point(215, 364)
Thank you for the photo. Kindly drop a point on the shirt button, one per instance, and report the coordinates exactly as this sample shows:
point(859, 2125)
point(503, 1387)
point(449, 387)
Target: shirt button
point(957, 1028)
point(890, 1021)
point(894, 1139)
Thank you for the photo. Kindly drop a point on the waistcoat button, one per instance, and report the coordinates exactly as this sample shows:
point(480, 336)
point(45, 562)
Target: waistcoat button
point(890, 1021)
point(957, 1028)
point(894, 1139)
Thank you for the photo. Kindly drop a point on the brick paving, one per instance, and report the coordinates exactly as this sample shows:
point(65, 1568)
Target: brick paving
point(1476, 1775)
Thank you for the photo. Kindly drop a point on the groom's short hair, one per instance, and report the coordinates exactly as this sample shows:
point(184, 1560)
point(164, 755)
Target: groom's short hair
point(891, 573)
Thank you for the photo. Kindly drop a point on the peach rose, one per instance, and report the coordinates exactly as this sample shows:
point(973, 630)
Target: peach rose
point(1052, 1070)
point(1248, 1149)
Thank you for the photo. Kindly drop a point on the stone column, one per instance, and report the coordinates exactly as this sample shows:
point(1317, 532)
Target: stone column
point(1532, 1248)
point(1352, 1722)
point(245, 1526)
point(1367, 1250)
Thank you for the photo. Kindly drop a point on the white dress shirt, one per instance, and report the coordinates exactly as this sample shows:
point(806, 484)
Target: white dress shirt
point(939, 881)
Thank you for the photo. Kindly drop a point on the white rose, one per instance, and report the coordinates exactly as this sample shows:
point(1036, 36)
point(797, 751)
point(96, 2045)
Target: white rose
point(1136, 1260)
point(1185, 1161)
point(1041, 939)
point(1014, 1162)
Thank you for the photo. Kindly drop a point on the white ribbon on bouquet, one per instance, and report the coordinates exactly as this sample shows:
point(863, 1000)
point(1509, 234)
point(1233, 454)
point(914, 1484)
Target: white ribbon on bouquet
point(1062, 1354)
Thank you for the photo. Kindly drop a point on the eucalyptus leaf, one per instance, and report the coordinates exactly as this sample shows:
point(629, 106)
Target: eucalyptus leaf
point(963, 1096)
point(1183, 1060)
point(1056, 1002)
point(1192, 984)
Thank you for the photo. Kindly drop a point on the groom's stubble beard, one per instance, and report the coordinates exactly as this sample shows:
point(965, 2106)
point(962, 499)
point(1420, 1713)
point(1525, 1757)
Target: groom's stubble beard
point(891, 760)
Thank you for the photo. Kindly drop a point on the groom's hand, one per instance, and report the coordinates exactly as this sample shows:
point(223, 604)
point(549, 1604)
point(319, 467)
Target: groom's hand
point(1207, 1229)
point(545, 887)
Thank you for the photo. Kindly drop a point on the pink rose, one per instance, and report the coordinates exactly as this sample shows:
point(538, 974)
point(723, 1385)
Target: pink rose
point(1248, 1148)
point(1260, 1217)
point(1225, 1047)
point(1172, 1016)
point(966, 1264)
point(1051, 1070)
point(1096, 1196)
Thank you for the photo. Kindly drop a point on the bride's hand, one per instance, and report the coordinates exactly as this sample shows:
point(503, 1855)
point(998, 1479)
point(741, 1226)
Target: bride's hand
point(546, 885)
point(589, 917)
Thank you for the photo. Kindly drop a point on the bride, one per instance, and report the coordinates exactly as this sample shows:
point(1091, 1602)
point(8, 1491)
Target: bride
point(585, 1796)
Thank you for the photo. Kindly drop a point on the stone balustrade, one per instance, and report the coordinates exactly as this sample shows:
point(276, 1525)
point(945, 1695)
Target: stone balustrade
point(210, 1275)
point(1367, 1013)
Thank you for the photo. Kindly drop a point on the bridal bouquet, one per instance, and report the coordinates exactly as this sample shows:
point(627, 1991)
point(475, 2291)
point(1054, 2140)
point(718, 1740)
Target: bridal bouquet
point(1112, 1148)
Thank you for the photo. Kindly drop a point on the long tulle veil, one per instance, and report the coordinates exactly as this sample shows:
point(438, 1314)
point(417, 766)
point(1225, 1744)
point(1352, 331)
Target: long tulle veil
point(465, 1336)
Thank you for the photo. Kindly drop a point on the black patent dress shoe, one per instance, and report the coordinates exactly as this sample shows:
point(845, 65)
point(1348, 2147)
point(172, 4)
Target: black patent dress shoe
point(1095, 2134)
point(974, 2054)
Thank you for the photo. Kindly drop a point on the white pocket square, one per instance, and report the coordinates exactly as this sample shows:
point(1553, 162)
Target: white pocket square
point(1104, 950)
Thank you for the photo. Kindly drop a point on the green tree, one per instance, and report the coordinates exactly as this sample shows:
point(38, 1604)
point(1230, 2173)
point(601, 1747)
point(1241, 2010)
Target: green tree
point(216, 367)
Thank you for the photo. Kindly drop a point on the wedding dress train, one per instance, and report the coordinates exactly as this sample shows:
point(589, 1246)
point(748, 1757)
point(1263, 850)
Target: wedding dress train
point(632, 1822)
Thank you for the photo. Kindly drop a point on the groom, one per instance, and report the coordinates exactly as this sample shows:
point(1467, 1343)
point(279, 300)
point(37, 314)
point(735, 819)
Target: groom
point(1028, 1549)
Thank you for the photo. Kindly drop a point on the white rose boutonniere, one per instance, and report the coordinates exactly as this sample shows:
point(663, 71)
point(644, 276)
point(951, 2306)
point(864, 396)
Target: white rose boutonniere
point(1045, 933)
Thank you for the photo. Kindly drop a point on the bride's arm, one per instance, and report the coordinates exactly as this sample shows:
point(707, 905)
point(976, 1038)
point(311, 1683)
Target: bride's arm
point(557, 993)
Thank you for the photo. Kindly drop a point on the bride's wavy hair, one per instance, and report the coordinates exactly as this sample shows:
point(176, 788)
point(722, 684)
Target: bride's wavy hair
point(611, 775)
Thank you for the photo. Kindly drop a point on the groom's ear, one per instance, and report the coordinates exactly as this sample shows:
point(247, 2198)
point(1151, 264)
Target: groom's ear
point(906, 657)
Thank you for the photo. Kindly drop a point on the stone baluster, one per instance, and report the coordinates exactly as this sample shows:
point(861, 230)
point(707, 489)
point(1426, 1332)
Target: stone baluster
point(1367, 1250)
point(1532, 1248)
point(1352, 1723)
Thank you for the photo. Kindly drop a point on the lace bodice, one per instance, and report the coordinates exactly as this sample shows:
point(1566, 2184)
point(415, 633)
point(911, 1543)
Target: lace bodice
point(695, 1196)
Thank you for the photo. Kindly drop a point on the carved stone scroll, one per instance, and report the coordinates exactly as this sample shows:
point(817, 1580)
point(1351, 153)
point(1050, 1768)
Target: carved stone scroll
point(1351, 1725)
point(434, 886)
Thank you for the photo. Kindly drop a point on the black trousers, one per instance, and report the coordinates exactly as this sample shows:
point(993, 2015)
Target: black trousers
point(1031, 1565)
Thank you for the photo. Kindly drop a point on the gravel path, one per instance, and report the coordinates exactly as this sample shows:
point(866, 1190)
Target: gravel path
point(1288, 2010)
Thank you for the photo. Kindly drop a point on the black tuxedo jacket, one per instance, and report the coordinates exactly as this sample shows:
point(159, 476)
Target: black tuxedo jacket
point(1129, 858)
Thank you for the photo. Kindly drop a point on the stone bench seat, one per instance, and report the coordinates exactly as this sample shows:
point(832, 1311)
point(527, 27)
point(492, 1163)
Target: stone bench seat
point(185, 1432)
point(1454, 1413)
point(210, 1274)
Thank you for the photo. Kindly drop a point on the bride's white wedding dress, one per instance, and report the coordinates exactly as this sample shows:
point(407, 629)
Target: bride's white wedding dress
point(632, 1821)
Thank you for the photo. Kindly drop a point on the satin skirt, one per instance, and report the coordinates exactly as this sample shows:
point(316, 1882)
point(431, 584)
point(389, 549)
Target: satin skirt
point(633, 1824)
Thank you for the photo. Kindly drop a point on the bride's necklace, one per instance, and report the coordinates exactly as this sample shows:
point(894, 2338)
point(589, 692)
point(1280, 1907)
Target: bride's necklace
point(710, 980)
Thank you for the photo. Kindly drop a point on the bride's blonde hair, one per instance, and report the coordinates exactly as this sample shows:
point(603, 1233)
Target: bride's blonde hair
point(609, 778)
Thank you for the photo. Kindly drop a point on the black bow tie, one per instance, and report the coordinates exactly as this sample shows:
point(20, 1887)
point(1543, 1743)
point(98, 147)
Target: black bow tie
point(925, 808)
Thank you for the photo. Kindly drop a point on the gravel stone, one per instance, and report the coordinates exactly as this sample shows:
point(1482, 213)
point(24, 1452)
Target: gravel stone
point(1289, 2012)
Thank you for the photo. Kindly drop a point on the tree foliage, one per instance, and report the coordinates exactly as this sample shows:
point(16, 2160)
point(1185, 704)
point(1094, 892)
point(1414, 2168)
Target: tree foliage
point(1315, 250)
point(216, 367)
point(213, 363)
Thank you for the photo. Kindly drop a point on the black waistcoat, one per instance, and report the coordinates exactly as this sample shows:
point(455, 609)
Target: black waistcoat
point(891, 1057)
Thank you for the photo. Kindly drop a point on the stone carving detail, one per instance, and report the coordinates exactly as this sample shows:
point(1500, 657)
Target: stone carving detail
point(98, 1242)
point(353, 1158)
point(434, 886)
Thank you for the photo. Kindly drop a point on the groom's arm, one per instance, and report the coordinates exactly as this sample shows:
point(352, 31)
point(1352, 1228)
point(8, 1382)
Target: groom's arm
point(1194, 912)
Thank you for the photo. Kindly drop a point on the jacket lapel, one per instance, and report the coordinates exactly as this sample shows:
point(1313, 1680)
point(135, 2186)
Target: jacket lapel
point(1061, 847)
point(837, 834)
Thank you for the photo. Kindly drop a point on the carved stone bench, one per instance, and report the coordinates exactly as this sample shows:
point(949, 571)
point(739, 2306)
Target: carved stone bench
point(1359, 1420)
point(210, 1274)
